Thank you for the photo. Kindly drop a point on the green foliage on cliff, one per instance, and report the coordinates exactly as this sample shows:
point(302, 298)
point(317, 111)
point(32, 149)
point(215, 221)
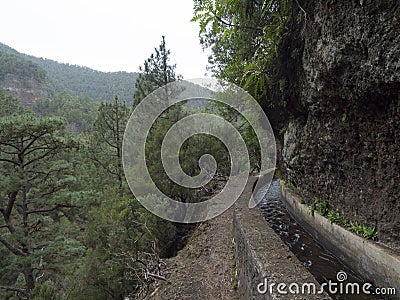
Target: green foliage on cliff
point(244, 37)
point(325, 209)
point(256, 45)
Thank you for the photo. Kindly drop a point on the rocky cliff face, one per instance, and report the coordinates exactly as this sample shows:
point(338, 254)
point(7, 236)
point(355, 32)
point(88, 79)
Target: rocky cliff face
point(346, 148)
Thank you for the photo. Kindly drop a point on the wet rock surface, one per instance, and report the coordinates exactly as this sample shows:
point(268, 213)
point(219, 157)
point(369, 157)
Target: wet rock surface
point(345, 148)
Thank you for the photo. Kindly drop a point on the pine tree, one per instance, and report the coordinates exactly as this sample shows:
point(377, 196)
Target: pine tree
point(34, 180)
point(106, 143)
point(155, 73)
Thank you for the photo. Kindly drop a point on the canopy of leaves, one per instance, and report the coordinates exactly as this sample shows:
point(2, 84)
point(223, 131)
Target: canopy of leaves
point(244, 38)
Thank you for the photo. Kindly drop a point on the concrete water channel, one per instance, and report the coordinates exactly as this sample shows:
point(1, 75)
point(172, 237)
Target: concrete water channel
point(323, 264)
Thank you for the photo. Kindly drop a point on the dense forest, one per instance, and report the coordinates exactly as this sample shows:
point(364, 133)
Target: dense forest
point(57, 78)
point(71, 228)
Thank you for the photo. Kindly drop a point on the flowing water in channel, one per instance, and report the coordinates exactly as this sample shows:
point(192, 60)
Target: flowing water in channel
point(319, 261)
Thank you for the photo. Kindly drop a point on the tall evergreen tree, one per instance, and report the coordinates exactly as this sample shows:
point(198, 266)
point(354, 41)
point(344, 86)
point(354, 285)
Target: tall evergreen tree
point(34, 180)
point(155, 73)
point(106, 142)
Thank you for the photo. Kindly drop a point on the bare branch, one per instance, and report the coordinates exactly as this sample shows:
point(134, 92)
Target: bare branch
point(10, 145)
point(9, 152)
point(35, 138)
point(104, 166)
point(36, 149)
point(219, 19)
point(11, 199)
point(40, 157)
point(58, 206)
point(107, 141)
point(14, 289)
point(158, 276)
point(304, 12)
point(9, 161)
point(54, 190)
point(2, 209)
point(11, 247)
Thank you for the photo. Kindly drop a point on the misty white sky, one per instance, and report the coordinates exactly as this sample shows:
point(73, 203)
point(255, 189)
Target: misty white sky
point(104, 35)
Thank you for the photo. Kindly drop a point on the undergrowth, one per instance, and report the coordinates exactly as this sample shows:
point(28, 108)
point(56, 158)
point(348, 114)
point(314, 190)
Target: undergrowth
point(323, 208)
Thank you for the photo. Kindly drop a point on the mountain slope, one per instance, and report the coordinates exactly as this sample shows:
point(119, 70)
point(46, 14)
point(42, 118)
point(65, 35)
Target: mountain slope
point(31, 78)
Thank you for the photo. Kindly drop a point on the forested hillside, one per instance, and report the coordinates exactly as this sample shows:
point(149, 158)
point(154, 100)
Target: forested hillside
point(13, 63)
point(53, 77)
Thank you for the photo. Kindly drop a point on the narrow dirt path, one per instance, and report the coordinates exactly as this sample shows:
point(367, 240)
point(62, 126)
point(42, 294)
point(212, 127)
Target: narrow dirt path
point(204, 268)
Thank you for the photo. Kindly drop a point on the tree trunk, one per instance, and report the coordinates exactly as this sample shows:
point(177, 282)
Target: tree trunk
point(29, 277)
